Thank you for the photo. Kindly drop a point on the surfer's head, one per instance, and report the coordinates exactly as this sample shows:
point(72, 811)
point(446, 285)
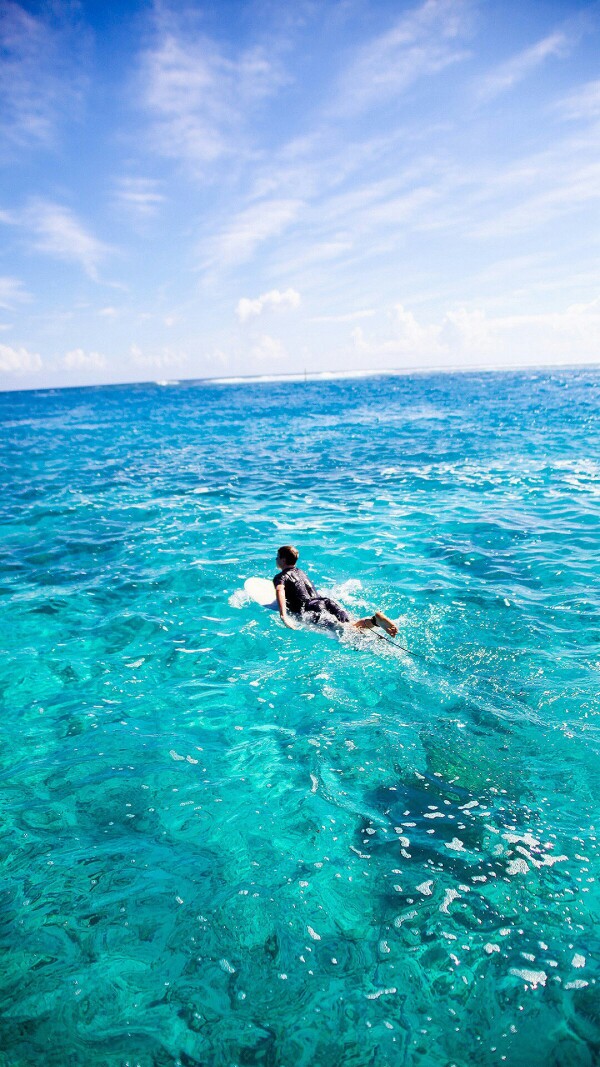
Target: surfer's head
point(287, 556)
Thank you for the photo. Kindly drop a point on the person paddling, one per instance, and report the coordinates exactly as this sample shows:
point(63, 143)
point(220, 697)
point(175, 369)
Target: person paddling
point(296, 595)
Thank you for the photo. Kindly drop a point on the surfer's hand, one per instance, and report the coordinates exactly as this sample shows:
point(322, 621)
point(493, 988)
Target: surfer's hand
point(288, 622)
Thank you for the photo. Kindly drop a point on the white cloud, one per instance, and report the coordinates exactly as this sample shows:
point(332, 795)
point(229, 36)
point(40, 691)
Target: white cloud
point(468, 337)
point(161, 359)
point(198, 97)
point(571, 185)
point(268, 351)
point(59, 233)
point(248, 309)
point(18, 360)
point(77, 359)
point(421, 43)
point(508, 74)
point(39, 85)
point(584, 103)
point(401, 337)
point(350, 316)
point(140, 196)
point(250, 228)
point(301, 255)
point(12, 292)
point(468, 332)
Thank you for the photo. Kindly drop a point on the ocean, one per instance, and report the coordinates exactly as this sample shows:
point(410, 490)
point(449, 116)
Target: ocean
point(226, 843)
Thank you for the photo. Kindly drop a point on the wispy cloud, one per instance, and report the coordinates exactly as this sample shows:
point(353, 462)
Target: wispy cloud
point(197, 95)
point(18, 360)
point(584, 103)
point(139, 196)
point(249, 309)
point(341, 227)
point(12, 293)
point(566, 190)
point(40, 77)
point(58, 232)
point(508, 74)
point(421, 43)
point(239, 239)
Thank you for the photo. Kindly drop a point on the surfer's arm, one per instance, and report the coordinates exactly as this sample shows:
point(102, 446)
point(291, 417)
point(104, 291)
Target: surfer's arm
point(280, 594)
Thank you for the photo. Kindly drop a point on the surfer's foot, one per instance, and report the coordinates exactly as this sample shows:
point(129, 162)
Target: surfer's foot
point(379, 619)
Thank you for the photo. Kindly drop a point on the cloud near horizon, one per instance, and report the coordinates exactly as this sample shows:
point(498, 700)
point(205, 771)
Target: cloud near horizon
point(469, 337)
point(77, 359)
point(19, 361)
point(269, 351)
point(164, 358)
point(249, 309)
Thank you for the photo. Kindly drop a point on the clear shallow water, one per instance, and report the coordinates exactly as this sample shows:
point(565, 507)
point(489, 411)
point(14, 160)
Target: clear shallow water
point(226, 843)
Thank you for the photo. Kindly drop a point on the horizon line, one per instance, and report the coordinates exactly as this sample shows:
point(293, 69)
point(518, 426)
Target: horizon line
point(315, 376)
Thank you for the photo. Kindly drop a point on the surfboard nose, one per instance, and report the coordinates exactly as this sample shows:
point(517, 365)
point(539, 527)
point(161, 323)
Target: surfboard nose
point(262, 592)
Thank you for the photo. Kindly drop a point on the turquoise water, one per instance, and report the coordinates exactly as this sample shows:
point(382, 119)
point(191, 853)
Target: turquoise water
point(224, 843)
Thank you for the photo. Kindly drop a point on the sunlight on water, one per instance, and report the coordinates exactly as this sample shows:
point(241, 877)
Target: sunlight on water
point(226, 843)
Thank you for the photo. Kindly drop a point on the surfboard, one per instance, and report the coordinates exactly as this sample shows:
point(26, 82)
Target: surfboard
point(262, 592)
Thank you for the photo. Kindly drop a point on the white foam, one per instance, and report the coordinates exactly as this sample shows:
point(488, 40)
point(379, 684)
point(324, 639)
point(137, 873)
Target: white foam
point(517, 867)
point(456, 845)
point(386, 372)
point(238, 599)
point(534, 978)
point(449, 896)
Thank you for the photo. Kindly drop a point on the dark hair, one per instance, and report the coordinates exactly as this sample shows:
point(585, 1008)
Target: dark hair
point(289, 555)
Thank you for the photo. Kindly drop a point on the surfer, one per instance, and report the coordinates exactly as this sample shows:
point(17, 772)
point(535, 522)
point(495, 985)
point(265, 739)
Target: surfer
point(296, 594)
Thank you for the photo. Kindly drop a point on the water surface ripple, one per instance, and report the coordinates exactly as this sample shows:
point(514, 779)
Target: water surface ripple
point(224, 843)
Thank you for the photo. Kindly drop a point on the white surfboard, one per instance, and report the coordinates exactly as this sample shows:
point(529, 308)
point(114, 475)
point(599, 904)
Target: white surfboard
point(262, 592)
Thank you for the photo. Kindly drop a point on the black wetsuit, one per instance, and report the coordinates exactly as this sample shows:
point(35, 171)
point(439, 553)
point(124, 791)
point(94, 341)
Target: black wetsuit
point(301, 598)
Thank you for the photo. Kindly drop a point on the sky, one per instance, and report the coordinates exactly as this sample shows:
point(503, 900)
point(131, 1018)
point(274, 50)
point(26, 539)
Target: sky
point(252, 188)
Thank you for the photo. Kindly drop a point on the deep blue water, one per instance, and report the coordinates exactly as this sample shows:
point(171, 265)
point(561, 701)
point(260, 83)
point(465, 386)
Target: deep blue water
point(226, 843)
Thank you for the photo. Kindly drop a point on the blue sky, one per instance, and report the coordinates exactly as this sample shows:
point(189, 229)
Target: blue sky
point(230, 188)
